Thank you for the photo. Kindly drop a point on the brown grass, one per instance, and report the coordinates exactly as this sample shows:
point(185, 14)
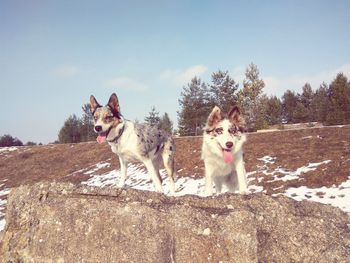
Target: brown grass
point(292, 149)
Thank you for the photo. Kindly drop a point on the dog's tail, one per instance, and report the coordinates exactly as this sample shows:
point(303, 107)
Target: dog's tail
point(168, 156)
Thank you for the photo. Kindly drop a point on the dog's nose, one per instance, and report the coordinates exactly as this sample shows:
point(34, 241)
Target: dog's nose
point(98, 128)
point(229, 144)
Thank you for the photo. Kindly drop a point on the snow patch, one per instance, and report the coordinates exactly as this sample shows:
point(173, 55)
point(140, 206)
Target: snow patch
point(8, 149)
point(3, 201)
point(267, 159)
point(293, 175)
point(336, 196)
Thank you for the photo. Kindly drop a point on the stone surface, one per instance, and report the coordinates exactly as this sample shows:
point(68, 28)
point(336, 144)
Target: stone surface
point(58, 222)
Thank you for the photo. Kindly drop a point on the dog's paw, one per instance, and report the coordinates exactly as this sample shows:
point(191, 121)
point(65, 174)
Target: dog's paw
point(244, 192)
point(121, 184)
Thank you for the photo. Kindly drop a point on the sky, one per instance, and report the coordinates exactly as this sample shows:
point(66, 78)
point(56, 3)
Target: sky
point(55, 54)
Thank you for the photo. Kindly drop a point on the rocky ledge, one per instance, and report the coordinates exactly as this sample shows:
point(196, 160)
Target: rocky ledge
point(60, 222)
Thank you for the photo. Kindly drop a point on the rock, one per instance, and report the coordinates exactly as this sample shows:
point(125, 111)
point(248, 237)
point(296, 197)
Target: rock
point(60, 222)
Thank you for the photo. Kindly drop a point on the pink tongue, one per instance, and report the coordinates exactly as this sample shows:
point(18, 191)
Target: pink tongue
point(101, 139)
point(228, 158)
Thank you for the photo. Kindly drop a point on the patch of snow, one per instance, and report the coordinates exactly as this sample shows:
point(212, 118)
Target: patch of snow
point(138, 178)
point(2, 222)
point(3, 202)
point(255, 188)
point(267, 159)
point(307, 137)
point(8, 149)
point(97, 167)
point(336, 196)
point(5, 191)
point(292, 175)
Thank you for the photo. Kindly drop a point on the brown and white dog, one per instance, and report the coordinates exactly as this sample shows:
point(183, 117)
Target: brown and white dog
point(222, 152)
point(134, 142)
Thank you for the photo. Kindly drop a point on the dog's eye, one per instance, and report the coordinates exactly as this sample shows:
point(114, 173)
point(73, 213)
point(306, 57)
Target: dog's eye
point(232, 130)
point(219, 130)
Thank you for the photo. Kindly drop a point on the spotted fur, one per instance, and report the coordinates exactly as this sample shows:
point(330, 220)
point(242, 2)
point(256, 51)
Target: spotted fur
point(135, 142)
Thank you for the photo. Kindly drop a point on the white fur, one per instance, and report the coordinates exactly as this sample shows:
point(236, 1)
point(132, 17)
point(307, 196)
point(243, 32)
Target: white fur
point(216, 170)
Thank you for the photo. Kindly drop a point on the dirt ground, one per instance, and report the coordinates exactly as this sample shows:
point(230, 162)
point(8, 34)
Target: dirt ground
point(291, 150)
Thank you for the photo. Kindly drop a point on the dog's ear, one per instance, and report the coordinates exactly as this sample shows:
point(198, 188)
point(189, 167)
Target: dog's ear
point(235, 116)
point(93, 104)
point(113, 103)
point(214, 117)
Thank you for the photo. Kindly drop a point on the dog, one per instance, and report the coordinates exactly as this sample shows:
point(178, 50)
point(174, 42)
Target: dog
point(222, 152)
point(134, 142)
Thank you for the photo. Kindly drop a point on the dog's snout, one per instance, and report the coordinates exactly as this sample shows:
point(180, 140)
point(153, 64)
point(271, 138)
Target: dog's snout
point(98, 128)
point(229, 144)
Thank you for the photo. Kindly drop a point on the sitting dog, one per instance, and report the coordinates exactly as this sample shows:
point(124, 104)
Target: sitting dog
point(134, 142)
point(222, 152)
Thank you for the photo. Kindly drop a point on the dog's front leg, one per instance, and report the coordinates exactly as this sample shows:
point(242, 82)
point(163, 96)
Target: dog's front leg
point(208, 179)
point(241, 175)
point(154, 176)
point(123, 169)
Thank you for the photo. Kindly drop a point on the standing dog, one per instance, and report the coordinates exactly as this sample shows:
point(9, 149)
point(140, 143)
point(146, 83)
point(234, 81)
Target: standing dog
point(134, 142)
point(222, 152)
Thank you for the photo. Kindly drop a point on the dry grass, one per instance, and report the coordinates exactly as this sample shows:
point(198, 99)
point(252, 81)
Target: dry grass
point(292, 149)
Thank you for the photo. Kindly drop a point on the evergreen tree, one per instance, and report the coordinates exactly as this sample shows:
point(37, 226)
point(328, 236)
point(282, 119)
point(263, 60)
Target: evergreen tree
point(166, 124)
point(87, 124)
point(339, 105)
point(222, 91)
point(194, 107)
point(320, 103)
point(7, 141)
point(300, 113)
point(71, 130)
point(273, 110)
point(289, 104)
point(306, 98)
point(250, 98)
point(153, 118)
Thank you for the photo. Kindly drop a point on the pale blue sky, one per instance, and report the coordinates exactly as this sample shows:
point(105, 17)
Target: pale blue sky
point(54, 54)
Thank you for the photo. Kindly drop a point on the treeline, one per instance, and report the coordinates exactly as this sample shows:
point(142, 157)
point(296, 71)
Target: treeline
point(329, 104)
point(7, 140)
point(78, 129)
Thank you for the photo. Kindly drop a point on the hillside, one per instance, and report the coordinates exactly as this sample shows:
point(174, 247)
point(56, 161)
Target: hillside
point(303, 164)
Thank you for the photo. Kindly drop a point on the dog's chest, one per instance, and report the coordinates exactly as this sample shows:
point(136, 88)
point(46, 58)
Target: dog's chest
point(127, 151)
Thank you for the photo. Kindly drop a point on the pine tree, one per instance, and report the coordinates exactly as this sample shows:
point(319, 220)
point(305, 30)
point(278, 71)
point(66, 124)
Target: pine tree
point(194, 107)
point(339, 106)
point(71, 130)
point(306, 98)
point(153, 118)
point(166, 124)
point(273, 110)
point(320, 103)
point(222, 91)
point(300, 113)
point(289, 104)
point(87, 124)
point(7, 141)
point(249, 98)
